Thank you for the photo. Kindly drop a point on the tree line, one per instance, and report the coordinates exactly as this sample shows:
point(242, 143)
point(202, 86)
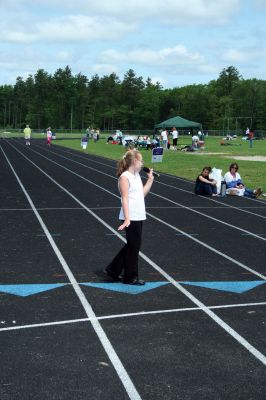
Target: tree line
point(67, 101)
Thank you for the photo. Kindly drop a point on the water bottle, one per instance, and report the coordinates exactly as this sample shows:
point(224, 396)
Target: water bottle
point(223, 189)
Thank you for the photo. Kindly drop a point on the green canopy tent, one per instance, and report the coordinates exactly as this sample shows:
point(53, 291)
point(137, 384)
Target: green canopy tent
point(179, 122)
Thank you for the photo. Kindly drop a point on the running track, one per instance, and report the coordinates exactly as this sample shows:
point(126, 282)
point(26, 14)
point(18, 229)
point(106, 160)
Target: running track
point(196, 332)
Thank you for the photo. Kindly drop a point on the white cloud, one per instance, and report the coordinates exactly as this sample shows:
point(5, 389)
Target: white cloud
point(234, 56)
point(141, 35)
point(104, 69)
point(63, 56)
point(69, 28)
point(160, 79)
point(170, 11)
point(80, 27)
point(244, 56)
point(56, 20)
point(207, 69)
point(177, 55)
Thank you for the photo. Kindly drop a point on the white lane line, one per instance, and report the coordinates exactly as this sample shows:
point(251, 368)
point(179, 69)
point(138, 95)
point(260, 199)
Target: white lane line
point(128, 315)
point(166, 184)
point(121, 371)
point(73, 153)
point(240, 339)
point(114, 207)
point(233, 260)
point(49, 208)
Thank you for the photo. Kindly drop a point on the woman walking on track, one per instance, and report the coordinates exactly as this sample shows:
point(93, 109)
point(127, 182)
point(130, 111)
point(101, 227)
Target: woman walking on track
point(132, 215)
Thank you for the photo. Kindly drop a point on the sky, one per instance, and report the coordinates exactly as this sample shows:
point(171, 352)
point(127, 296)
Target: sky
point(174, 42)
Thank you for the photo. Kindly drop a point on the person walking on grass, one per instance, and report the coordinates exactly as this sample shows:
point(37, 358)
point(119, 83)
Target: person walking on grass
point(132, 215)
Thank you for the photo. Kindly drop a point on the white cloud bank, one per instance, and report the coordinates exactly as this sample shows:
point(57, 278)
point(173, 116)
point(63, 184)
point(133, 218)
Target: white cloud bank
point(31, 21)
point(168, 10)
point(76, 28)
point(177, 55)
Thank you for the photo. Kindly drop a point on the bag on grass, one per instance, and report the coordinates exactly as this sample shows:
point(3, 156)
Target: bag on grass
point(217, 175)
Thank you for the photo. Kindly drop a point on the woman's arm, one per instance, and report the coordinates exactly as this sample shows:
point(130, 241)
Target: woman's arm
point(123, 188)
point(211, 182)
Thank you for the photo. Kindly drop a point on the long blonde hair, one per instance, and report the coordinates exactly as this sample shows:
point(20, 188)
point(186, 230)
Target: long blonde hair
point(125, 162)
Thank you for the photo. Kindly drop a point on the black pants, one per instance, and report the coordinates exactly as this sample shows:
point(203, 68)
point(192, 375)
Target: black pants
point(205, 189)
point(127, 258)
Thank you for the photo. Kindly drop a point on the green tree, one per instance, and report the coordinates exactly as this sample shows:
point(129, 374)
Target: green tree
point(226, 81)
point(63, 97)
point(131, 89)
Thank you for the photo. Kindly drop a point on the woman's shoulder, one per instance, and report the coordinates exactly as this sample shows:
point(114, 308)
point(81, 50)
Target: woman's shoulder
point(125, 174)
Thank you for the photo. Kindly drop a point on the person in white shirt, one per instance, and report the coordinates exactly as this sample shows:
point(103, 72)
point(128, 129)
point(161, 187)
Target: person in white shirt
point(48, 136)
point(164, 137)
point(132, 215)
point(235, 185)
point(195, 141)
point(175, 137)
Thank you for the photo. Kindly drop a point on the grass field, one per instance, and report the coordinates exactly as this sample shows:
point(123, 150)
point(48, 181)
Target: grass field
point(178, 163)
point(188, 165)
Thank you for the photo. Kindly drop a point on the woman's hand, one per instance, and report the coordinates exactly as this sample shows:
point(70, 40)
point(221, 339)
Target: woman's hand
point(150, 174)
point(125, 224)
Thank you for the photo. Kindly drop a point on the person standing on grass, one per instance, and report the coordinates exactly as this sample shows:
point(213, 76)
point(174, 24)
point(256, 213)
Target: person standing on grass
point(251, 138)
point(175, 138)
point(164, 138)
point(27, 134)
point(132, 215)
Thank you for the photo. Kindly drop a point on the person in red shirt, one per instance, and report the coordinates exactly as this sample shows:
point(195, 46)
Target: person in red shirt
point(251, 138)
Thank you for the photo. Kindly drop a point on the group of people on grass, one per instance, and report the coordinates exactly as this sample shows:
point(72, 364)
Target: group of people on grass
point(93, 134)
point(165, 140)
point(207, 186)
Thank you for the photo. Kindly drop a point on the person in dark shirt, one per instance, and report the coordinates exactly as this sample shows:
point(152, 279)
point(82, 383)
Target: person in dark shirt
point(205, 186)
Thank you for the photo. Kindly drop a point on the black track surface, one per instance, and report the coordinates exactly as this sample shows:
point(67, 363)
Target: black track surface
point(193, 351)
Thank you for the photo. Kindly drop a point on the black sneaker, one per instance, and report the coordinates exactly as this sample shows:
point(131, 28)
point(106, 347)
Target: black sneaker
point(136, 281)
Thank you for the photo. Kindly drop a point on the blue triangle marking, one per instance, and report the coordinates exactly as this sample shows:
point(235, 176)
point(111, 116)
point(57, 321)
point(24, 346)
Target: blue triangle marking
point(28, 289)
point(233, 286)
point(121, 287)
point(228, 286)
